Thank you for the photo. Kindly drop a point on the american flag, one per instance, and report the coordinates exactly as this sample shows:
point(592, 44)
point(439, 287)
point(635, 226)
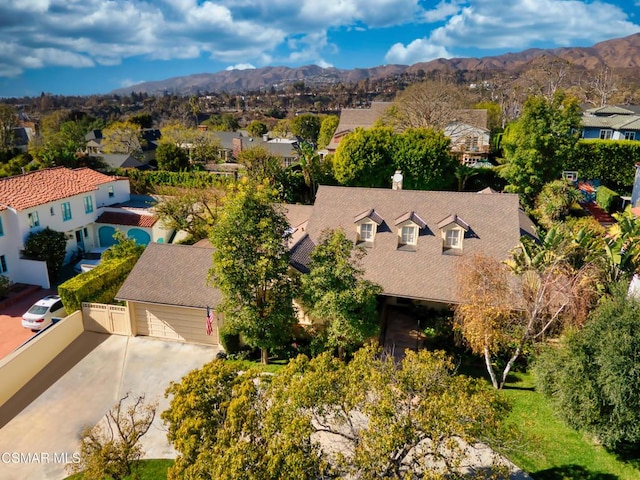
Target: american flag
point(209, 322)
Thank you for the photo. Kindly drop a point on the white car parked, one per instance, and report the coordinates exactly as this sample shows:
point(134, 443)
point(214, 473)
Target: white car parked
point(42, 313)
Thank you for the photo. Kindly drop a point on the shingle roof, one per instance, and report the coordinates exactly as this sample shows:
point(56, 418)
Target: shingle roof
point(426, 273)
point(128, 219)
point(121, 160)
point(171, 274)
point(48, 185)
point(616, 122)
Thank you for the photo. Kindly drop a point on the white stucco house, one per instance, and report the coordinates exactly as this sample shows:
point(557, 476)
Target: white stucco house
point(78, 202)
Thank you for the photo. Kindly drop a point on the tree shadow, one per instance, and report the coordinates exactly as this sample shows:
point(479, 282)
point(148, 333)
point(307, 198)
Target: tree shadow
point(571, 472)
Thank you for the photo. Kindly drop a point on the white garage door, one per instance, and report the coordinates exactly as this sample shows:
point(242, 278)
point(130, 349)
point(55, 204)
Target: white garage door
point(174, 323)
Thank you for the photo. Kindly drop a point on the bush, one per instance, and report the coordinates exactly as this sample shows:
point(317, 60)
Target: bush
point(230, 341)
point(5, 283)
point(48, 246)
point(607, 199)
point(610, 161)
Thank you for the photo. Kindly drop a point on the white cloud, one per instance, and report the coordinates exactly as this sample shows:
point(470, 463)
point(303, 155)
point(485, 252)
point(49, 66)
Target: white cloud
point(241, 66)
point(443, 11)
point(127, 82)
point(420, 50)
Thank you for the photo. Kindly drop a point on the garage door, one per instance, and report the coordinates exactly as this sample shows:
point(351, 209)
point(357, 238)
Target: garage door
point(174, 323)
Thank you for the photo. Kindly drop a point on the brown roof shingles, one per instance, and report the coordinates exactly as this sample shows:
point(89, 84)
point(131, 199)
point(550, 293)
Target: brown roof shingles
point(48, 185)
point(128, 219)
point(170, 274)
point(426, 273)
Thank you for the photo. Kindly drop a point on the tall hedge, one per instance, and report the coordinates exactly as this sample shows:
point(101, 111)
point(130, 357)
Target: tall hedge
point(611, 161)
point(607, 199)
point(99, 284)
point(144, 181)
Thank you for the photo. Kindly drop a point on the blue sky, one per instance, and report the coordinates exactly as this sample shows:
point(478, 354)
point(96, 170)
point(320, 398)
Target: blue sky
point(82, 47)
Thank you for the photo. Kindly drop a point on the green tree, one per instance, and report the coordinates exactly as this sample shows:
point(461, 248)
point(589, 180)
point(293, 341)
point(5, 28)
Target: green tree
point(260, 164)
point(112, 449)
point(593, 378)
point(143, 120)
point(250, 267)
point(424, 158)
point(223, 123)
point(364, 158)
point(323, 418)
point(123, 248)
point(283, 128)
point(122, 137)
point(554, 202)
point(539, 143)
point(171, 157)
point(257, 128)
point(48, 246)
point(306, 126)
point(201, 145)
point(337, 295)
point(8, 121)
point(193, 211)
point(327, 129)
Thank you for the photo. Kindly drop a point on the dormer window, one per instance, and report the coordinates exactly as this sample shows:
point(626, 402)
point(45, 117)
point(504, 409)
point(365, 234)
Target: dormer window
point(367, 224)
point(453, 229)
point(408, 226)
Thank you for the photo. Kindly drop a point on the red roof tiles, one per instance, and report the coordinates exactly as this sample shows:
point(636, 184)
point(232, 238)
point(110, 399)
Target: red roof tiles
point(48, 185)
point(128, 219)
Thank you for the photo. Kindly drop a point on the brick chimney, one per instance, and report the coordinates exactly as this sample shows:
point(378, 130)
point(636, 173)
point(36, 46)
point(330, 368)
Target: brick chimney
point(237, 146)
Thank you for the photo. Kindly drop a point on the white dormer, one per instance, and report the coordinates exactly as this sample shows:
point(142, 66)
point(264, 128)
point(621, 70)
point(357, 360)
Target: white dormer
point(367, 224)
point(453, 229)
point(409, 225)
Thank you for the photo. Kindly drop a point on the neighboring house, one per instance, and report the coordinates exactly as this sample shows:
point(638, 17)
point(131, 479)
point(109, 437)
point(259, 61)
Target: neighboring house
point(352, 118)
point(415, 239)
point(82, 203)
point(121, 160)
point(150, 138)
point(176, 307)
point(94, 141)
point(62, 199)
point(21, 138)
point(611, 123)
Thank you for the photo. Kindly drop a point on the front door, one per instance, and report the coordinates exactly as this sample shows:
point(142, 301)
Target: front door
point(80, 240)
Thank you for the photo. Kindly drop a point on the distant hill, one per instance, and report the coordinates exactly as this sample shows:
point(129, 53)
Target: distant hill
point(622, 54)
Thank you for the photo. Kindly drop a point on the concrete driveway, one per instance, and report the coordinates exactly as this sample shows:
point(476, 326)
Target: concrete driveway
point(40, 426)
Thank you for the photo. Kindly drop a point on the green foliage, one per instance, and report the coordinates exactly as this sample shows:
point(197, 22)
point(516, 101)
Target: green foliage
point(554, 202)
point(306, 126)
point(336, 293)
point(368, 158)
point(230, 340)
point(100, 284)
point(223, 123)
point(171, 157)
point(423, 157)
point(123, 137)
point(539, 144)
point(49, 246)
point(143, 120)
point(112, 449)
point(593, 376)
point(364, 158)
point(123, 248)
point(250, 267)
point(227, 424)
point(149, 181)
point(257, 128)
point(193, 211)
point(260, 164)
point(5, 283)
point(327, 129)
point(610, 161)
point(607, 199)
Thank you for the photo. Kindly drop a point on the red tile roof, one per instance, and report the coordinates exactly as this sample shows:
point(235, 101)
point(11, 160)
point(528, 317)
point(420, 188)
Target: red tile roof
point(128, 219)
point(48, 185)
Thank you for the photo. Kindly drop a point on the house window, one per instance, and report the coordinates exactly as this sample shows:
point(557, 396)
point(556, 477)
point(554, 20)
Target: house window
point(66, 211)
point(86, 232)
point(629, 135)
point(3, 264)
point(110, 191)
point(366, 232)
point(606, 134)
point(452, 238)
point(88, 204)
point(471, 143)
point(34, 221)
point(1, 228)
point(408, 235)
point(52, 211)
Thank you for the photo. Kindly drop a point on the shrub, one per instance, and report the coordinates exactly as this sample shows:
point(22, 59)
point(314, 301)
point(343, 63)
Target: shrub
point(610, 161)
point(230, 341)
point(607, 199)
point(48, 246)
point(5, 283)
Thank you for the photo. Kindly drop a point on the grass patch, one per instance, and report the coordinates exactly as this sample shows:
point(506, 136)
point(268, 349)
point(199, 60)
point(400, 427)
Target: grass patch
point(151, 469)
point(273, 366)
point(552, 450)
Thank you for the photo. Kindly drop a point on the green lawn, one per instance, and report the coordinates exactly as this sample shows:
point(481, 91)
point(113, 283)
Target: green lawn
point(155, 469)
point(552, 450)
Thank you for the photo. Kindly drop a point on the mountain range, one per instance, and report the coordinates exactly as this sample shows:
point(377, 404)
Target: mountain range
point(620, 55)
